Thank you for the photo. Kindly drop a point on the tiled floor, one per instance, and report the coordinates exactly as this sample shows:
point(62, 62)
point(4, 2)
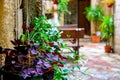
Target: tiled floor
point(101, 65)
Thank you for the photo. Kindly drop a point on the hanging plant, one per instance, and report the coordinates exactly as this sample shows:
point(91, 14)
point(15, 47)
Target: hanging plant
point(109, 2)
point(62, 6)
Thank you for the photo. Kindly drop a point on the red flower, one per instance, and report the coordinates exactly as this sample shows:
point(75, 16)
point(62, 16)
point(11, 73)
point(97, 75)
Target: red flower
point(56, 63)
point(50, 68)
point(109, 5)
point(30, 29)
point(27, 28)
point(61, 65)
point(51, 43)
point(55, 2)
point(41, 51)
point(24, 27)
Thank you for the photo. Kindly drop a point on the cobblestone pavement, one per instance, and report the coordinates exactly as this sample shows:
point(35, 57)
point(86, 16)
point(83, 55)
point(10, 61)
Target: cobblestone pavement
point(99, 65)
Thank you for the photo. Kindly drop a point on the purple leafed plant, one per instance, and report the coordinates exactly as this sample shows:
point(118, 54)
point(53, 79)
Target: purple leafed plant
point(37, 51)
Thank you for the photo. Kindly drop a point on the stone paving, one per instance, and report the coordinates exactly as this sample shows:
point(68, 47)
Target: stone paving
point(99, 65)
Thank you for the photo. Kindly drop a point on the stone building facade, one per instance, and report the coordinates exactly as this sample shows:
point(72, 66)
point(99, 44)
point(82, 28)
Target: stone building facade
point(13, 14)
point(7, 22)
point(117, 26)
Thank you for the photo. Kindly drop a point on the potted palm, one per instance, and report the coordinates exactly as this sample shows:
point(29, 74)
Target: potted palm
point(107, 31)
point(94, 14)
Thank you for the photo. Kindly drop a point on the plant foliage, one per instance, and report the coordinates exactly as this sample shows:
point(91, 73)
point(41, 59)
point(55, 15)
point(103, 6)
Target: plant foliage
point(62, 7)
point(107, 28)
point(37, 52)
point(94, 13)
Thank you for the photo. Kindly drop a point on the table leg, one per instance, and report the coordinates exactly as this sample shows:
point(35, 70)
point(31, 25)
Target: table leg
point(1, 77)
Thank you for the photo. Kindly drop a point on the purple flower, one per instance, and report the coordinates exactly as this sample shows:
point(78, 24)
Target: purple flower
point(46, 64)
point(39, 71)
point(55, 57)
point(24, 75)
point(33, 50)
point(49, 55)
point(22, 57)
point(36, 44)
point(29, 73)
point(39, 62)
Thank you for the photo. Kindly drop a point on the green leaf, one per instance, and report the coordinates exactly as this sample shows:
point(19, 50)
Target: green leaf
point(23, 37)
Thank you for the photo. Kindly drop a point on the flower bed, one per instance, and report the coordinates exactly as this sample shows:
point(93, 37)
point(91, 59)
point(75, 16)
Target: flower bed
point(36, 53)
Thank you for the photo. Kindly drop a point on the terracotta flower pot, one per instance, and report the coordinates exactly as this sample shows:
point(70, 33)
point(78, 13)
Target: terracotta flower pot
point(107, 49)
point(95, 39)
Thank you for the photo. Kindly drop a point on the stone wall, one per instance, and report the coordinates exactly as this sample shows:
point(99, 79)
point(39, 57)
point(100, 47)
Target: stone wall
point(11, 21)
point(31, 6)
point(117, 26)
point(7, 23)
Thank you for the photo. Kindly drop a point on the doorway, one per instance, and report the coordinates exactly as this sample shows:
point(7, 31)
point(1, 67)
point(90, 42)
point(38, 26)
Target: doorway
point(82, 21)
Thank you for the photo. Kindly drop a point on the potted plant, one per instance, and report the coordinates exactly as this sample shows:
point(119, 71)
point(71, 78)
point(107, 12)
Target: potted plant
point(49, 52)
point(37, 53)
point(94, 14)
point(95, 37)
point(107, 31)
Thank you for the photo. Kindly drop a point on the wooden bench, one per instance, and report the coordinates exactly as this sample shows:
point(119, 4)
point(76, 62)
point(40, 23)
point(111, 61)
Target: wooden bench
point(73, 35)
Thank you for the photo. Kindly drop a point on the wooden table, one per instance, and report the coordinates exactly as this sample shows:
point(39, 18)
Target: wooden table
point(72, 33)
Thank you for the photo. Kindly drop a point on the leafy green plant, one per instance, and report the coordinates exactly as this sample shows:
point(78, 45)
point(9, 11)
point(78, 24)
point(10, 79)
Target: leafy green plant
point(62, 7)
point(44, 34)
point(49, 43)
point(94, 14)
point(43, 44)
point(107, 28)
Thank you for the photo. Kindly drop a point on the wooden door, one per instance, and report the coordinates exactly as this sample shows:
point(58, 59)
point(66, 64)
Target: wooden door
point(82, 21)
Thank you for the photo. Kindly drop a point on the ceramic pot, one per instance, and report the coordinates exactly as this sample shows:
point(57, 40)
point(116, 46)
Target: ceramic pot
point(107, 49)
point(95, 39)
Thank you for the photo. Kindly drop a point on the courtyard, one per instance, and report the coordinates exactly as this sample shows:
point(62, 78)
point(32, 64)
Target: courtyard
point(32, 44)
point(99, 65)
